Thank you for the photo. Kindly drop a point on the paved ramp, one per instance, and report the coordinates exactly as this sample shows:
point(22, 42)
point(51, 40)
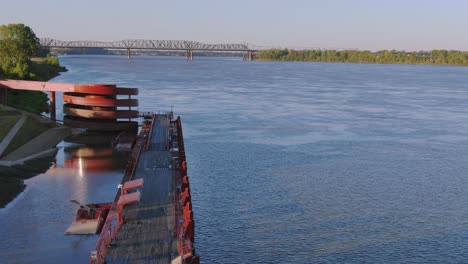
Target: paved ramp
point(9, 137)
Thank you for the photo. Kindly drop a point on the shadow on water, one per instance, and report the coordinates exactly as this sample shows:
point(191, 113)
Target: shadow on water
point(12, 178)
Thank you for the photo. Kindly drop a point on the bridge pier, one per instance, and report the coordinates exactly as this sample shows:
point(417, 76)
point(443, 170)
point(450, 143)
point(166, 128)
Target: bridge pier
point(189, 55)
point(52, 106)
point(249, 55)
point(129, 54)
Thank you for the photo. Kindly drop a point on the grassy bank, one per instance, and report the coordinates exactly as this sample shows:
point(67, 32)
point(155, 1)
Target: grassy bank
point(7, 123)
point(31, 129)
point(46, 68)
point(41, 69)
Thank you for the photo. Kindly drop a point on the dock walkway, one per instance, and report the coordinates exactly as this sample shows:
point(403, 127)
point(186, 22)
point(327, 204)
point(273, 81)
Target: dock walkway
point(147, 236)
point(151, 220)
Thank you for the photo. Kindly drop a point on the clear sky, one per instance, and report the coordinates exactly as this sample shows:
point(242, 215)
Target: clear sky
point(361, 24)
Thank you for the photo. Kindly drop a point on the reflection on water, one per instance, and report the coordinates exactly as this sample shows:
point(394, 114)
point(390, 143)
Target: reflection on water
point(88, 159)
point(86, 169)
point(90, 153)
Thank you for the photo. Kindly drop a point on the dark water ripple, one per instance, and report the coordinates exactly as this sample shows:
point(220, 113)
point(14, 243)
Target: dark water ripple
point(289, 162)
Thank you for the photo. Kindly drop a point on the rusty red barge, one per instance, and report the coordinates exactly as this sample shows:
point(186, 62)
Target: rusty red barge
point(151, 220)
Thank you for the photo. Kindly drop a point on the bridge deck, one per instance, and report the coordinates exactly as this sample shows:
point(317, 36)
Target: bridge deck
point(147, 235)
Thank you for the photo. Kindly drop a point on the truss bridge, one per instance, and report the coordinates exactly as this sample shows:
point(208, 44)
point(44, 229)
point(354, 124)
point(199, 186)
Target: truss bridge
point(140, 44)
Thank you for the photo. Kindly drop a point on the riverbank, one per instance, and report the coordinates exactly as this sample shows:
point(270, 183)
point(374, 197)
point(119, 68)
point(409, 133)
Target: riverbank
point(27, 140)
point(41, 69)
point(47, 68)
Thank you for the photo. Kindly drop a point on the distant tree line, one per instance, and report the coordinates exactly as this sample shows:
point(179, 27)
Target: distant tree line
point(447, 57)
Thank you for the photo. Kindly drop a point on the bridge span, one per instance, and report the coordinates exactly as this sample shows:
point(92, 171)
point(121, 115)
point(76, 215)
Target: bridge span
point(140, 44)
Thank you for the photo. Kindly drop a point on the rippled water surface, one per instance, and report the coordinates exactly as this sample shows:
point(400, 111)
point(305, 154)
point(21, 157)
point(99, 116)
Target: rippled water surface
point(288, 162)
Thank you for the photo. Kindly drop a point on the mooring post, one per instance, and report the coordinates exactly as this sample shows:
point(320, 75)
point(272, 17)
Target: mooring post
point(52, 106)
point(129, 54)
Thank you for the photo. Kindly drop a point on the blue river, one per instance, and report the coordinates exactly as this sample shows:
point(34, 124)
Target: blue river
point(288, 162)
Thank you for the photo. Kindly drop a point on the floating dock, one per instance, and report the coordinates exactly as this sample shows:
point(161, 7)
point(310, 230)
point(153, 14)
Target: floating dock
point(151, 220)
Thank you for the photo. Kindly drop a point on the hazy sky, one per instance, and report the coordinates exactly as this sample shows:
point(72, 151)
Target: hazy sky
point(362, 24)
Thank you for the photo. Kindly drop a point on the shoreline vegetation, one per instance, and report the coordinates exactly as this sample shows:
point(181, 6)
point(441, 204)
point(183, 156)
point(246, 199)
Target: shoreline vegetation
point(42, 69)
point(27, 140)
point(436, 57)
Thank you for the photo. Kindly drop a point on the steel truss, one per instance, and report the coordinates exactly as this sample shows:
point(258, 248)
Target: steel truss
point(141, 44)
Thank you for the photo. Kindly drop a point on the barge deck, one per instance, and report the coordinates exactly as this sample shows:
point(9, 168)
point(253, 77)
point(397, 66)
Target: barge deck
point(151, 220)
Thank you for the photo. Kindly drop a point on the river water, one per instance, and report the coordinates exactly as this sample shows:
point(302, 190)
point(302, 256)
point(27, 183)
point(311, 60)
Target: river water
point(288, 162)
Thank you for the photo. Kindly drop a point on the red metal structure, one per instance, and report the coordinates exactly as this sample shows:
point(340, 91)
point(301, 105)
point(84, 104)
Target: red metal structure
point(122, 239)
point(88, 106)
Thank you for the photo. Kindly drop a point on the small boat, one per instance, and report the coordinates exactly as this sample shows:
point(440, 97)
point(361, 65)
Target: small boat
point(89, 219)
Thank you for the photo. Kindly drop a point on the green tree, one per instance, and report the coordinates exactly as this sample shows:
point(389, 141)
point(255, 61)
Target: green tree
point(18, 44)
